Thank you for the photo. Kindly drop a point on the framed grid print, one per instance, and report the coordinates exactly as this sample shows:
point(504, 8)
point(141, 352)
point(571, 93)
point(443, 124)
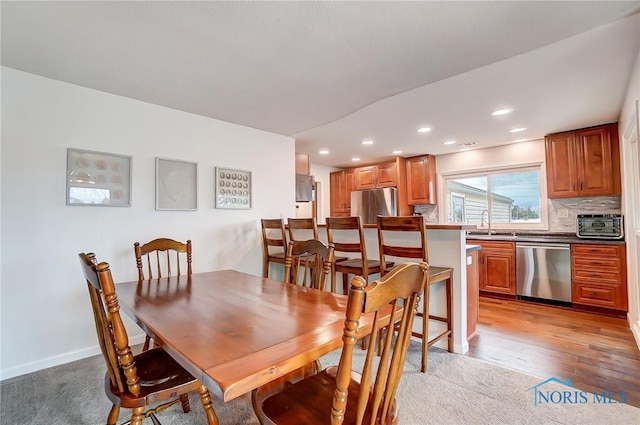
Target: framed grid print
point(233, 189)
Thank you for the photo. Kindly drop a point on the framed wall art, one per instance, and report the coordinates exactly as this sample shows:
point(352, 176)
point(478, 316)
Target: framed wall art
point(233, 189)
point(98, 178)
point(176, 185)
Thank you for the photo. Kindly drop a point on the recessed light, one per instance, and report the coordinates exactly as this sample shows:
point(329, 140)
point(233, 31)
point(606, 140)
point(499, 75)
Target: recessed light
point(396, 152)
point(517, 130)
point(449, 142)
point(500, 112)
point(367, 142)
point(355, 158)
point(323, 152)
point(424, 129)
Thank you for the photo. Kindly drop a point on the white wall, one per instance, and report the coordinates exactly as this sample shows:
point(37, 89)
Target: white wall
point(46, 317)
point(631, 184)
point(501, 156)
point(320, 174)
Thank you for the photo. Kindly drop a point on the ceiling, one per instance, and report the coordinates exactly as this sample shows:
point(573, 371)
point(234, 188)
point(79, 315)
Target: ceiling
point(332, 74)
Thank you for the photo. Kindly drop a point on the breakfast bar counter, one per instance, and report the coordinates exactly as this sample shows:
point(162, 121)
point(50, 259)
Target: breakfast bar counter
point(447, 247)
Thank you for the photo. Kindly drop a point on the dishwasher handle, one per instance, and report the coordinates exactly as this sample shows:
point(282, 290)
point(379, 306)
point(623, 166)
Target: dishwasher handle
point(543, 245)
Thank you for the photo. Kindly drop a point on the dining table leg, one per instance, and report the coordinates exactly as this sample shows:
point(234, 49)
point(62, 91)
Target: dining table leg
point(205, 398)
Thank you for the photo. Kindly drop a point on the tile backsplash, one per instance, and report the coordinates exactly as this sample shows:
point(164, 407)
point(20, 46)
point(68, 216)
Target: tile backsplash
point(571, 207)
point(430, 213)
point(561, 212)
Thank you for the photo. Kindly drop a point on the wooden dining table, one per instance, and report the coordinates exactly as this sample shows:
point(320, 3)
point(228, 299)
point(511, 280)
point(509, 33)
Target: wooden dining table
point(235, 331)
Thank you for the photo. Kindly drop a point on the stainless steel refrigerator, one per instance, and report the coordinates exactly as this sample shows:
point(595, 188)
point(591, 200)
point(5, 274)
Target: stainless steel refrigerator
point(368, 204)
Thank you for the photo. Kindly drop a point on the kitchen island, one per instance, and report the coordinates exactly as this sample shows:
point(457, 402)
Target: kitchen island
point(447, 247)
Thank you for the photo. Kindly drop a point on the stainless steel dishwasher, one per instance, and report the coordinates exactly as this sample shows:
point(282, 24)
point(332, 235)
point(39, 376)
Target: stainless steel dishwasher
point(543, 271)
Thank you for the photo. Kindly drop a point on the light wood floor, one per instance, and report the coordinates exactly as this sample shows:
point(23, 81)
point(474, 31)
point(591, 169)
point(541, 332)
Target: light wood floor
point(597, 352)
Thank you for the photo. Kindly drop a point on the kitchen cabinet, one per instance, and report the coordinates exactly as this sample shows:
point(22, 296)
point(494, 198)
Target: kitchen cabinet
point(386, 174)
point(598, 276)
point(496, 267)
point(421, 180)
point(583, 162)
point(341, 183)
point(375, 176)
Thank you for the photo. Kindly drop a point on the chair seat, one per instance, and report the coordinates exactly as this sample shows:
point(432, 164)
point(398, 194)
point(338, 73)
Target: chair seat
point(437, 274)
point(158, 372)
point(357, 263)
point(277, 256)
point(309, 401)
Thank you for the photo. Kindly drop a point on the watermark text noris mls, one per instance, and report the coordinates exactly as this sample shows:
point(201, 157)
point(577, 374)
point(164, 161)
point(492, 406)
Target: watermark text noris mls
point(543, 395)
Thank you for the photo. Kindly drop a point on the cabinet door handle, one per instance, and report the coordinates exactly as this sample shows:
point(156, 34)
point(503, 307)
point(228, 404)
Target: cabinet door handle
point(580, 185)
point(574, 187)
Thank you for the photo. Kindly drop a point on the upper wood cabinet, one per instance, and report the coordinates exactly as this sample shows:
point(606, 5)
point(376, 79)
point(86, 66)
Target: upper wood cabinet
point(421, 180)
point(341, 183)
point(374, 176)
point(385, 174)
point(584, 162)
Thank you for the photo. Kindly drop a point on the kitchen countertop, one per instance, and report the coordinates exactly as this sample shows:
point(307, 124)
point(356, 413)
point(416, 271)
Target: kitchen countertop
point(471, 248)
point(435, 226)
point(538, 237)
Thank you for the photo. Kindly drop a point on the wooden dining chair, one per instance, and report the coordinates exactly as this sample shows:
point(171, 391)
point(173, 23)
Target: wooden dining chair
point(339, 394)
point(135, 382)
point(346, 234)
point(405, 237)
point(302, 229)
point(273, 236)
point(167, 257)
point(308, 263)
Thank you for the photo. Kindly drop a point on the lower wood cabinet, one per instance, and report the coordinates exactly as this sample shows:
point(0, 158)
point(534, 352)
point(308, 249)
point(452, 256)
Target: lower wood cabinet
point(496, 267)
point(598, 276)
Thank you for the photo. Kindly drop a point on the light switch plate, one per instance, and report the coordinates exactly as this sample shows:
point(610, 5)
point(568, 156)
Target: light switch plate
point(563, 213)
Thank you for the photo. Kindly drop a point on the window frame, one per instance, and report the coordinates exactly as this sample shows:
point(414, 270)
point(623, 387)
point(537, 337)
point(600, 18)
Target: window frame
point(533, 166)
point(461, 196)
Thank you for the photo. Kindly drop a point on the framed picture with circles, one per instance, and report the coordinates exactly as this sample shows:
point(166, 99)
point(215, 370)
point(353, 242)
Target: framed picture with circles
point(98, 178)
point(233, 189)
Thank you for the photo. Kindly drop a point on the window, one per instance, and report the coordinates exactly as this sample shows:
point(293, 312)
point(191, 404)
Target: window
point(457, 208)
point(509, 198)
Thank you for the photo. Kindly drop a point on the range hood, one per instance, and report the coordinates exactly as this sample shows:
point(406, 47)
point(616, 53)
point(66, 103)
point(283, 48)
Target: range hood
point(304, 188)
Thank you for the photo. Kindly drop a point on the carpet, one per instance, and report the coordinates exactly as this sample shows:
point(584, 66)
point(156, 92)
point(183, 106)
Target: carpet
point(456, 390)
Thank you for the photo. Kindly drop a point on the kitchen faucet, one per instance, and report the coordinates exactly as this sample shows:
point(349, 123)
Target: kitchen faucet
point(488, 220)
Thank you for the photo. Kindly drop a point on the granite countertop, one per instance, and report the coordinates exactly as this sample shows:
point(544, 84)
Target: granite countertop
point(539, 237)
point(430, 226)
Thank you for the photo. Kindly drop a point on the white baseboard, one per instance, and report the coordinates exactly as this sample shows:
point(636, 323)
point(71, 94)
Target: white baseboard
point(48, 362)
point(635, 330)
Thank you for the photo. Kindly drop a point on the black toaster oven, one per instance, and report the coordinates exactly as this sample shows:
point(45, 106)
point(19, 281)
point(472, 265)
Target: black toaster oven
point(599, 226)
